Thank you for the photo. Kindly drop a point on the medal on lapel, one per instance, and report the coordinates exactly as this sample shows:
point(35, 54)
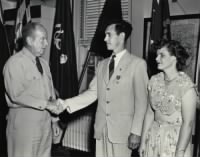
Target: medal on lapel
point(118, 77)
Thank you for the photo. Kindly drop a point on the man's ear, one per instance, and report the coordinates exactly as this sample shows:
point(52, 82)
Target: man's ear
point(122, 34)
point(29, 40)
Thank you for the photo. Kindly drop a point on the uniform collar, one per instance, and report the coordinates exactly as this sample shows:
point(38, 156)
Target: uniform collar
point(28, 54)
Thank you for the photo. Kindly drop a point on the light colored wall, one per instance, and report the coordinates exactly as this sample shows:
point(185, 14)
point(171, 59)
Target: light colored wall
point(181, 7)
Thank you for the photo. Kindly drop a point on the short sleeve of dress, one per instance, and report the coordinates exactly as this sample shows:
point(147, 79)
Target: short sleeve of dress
point(186, 84)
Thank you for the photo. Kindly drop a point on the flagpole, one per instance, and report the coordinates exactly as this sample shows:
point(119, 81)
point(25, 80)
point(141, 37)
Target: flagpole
point(4, 29)
point(84, 69)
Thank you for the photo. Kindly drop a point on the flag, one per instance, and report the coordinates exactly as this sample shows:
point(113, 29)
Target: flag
point(111, 11)
point(5, 53)
point(23, 17)
point(160, 29)
point(63, 56)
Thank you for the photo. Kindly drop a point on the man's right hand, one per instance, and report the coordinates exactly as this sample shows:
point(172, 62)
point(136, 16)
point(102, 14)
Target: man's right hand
point(55, 107)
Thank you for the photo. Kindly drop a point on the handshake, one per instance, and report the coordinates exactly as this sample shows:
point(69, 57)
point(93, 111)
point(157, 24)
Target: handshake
point(55, 106)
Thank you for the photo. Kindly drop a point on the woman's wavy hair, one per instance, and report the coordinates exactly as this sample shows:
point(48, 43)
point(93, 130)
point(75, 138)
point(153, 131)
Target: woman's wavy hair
point(175, 49)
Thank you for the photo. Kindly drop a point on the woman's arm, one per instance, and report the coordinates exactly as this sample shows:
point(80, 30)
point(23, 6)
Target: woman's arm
point(149, 117)
point(188, 114)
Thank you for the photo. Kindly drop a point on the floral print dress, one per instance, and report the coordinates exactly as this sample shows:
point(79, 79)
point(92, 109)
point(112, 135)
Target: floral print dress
point(165, 98)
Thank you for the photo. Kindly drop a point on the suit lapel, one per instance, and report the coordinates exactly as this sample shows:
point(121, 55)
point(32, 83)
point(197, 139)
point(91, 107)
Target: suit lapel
point(105, 71)
point(121, 67)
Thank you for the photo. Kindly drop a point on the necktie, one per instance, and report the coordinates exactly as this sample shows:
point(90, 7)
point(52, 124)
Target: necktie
point(111, 66)
point(38, 64)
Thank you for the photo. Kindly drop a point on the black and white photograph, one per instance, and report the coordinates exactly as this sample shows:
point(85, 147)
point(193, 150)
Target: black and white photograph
point(100, 78)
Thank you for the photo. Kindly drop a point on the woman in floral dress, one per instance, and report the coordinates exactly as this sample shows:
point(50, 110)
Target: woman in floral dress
point(168, 123)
